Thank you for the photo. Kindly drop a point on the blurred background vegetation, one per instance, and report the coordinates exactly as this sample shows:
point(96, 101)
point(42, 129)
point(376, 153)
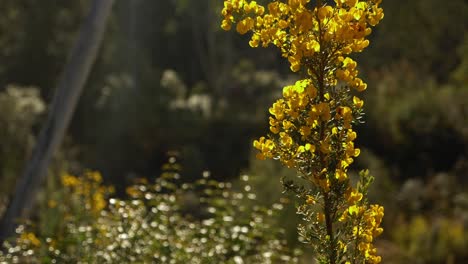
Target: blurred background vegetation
point(168, 79)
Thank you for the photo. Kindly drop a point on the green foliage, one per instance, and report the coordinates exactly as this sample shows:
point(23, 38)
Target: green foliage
point(432, 239)
point(36, 39)
point(459, 75)
point(423, 32)
point(167, 221)
point(416, 121)
point(268, 189)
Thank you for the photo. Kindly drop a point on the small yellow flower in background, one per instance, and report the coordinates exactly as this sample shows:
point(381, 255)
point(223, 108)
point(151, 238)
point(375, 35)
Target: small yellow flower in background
point(52, 203)
point(31, 238)
point(133, 191)
point(94, 176)
point(70, 180)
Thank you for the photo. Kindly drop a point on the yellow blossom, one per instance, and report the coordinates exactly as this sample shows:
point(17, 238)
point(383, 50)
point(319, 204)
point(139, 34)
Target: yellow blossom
point(69, 180)
point(30, 238)
point(52, 203)
point(357, 102)
point(340, 175)
point(310, 199)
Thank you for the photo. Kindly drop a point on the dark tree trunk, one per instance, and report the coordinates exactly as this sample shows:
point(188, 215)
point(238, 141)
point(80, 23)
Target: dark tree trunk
point(62, 107)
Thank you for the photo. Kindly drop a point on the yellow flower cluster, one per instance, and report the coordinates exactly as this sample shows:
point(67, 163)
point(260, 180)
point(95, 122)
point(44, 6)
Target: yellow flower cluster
point(89, 188)
point(300, 32)
point(368, 230)
point(300, 121)
point(29, 238)
point(367, 220)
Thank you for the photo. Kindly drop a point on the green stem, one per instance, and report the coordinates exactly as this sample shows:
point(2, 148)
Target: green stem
point(329, 225)
point(326, 196)
point(327, 199)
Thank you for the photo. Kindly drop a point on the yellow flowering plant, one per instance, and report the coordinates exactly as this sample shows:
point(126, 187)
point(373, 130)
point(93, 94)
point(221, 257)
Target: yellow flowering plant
point(164, 220)
point(312, 124)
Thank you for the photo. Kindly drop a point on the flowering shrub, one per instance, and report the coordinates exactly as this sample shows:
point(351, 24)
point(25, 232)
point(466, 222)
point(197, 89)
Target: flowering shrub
point(312, 124)
point(436, 240)
point(164, 222)
point(20, 109)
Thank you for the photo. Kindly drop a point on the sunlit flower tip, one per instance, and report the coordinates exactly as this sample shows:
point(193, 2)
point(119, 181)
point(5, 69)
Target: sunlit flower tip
point(353, 210)
point(245, 25)
point(258, 143)
point(259, 10)
point(349, 63)
point(363, 44)
point(226, 25)
point(295, 67)
point(353, 196)
point(228, 5)
point(287, 91)
point(377, 231)
point(361, 86)
point(309, 147)
point(358, 102)
point(274, 129)
point(357, 152)
point(351, 135)
point(334, 131)
point(247, 8)
point(254, 41)
point(300, 150)
point(313, 46)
